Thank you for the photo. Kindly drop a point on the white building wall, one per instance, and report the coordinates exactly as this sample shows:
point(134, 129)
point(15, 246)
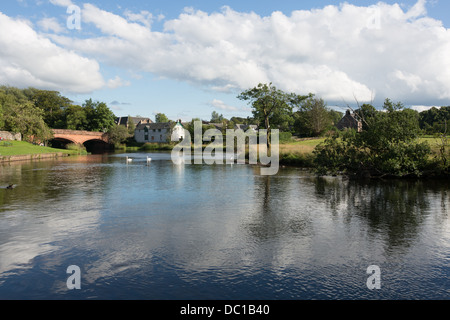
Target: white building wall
point(157, 136)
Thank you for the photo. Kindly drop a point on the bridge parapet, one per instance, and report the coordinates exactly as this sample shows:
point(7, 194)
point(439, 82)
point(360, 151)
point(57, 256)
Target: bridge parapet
point(79, 136)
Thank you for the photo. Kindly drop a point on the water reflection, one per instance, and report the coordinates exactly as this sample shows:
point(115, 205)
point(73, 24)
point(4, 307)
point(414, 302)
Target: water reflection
point(395, 209)
point(165, 231)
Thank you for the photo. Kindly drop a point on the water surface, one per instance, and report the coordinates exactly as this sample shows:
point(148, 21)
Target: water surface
point(163, 231)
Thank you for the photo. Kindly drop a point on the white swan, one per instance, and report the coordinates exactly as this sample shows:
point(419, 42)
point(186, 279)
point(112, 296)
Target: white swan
point(149, 160)
point(129, 159)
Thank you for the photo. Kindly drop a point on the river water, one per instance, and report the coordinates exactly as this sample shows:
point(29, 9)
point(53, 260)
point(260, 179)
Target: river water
point(167, 232)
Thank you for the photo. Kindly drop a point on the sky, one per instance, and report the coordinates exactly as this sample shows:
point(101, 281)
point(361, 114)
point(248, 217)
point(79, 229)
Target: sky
point(187, 59)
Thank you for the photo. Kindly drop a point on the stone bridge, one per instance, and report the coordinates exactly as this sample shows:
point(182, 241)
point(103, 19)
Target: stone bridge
point(79, 137)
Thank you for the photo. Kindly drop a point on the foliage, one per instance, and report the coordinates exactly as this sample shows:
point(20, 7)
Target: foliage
point(270, 103)
point(131, 126)
point(161, 118)
point(53, 106)
point(76, 118)
point(100, 117)
point(22, 116)
point(118, 134)
point(313, 118)
point(216, 117)
point(157, 147)
point(434, 120)
point(389, 146)
point(285, 137)
point(78, 149)
point(33, 112)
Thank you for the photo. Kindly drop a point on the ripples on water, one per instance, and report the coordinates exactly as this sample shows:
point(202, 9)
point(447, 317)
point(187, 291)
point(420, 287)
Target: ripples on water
point(216, 232)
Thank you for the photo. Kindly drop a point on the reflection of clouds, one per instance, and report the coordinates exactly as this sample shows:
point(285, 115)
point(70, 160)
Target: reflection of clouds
point(31, 234)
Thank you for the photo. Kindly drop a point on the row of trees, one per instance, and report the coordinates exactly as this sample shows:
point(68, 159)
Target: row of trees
point(309, 116)
point(34, 112)
point(387, 146)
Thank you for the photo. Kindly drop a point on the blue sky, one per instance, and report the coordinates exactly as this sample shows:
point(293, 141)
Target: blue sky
point(189, 58)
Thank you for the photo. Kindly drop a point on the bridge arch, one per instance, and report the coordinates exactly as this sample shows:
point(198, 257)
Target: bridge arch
point(93, 141)
point(60, 142)
point(96, 146)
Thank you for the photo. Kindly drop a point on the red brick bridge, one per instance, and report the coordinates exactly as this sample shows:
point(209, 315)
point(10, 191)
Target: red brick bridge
point(79, 137)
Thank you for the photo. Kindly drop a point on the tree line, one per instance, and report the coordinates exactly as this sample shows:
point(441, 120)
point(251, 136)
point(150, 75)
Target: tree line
point(34, 112)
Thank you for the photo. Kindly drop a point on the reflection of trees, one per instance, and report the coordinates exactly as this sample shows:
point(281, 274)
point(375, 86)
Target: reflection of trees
point(393, 208)
point(277, 213)
point(49, 180)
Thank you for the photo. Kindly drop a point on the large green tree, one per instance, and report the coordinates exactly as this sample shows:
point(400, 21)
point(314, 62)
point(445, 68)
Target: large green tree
point(313, 117)
point(53, 106)
point(100, 117)
point(76, 118)
point(272, 106)
point(161, 118)
point(118, 134)
point(387, 146)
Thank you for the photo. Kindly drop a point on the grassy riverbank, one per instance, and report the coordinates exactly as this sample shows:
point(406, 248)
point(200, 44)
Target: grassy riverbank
point(296, 152)
point(18, 148)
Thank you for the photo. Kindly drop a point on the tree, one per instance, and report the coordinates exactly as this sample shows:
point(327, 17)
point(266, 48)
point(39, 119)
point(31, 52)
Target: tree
point(388, 146)
point(118, 134)
point(76, 118)
point(270, 103)
point(216, 118)
point(26, 119)
point(131, 126)
point(313, 117)
point(161, 118)
point(100, 117)
point(53, 106)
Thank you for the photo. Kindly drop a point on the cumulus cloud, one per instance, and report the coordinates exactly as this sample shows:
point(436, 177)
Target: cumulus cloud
point(29, 59)
point(62, 3)
point(219, 104)
point(51, 24)
point(117, 82)
point(337, 52)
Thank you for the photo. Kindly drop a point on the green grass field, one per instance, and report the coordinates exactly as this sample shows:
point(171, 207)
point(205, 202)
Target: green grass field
point(15, 148)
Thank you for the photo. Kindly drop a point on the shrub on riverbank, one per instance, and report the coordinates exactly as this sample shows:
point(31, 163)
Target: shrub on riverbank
point(388, 146)
point(78, 149)
point(157, 147)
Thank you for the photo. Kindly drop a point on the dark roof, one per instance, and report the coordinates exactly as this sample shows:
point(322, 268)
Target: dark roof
point(157, 126)
point(136, 120)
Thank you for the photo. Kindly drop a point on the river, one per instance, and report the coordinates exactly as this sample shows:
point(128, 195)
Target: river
point(164, 231)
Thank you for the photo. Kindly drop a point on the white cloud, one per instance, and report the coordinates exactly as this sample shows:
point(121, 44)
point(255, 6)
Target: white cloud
point(143, 17)
point(423, 108)
point(51, 24)
point(30, 59)
point(337, 52)
point(219, 104)
point(117, 82)
point(61, 3)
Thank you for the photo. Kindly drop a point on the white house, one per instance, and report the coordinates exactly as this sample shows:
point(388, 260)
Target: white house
point(158, 132)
